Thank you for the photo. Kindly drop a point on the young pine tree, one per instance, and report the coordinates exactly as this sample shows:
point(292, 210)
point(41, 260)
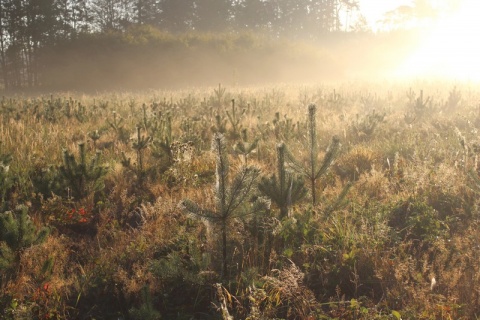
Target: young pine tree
point(81, 177)
point(244, 147)
point(313, 171)
point(17, 232)
point(284, 188)
point(231, 198)
point(139, 145)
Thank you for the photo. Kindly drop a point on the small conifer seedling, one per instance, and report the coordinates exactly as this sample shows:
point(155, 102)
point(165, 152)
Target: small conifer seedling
point(313, 172)
point(17, 232)
point(284, 188)
point(230, 199)
point(82, 177)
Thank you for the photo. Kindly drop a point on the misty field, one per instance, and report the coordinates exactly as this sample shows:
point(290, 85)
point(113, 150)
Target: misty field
point(348, 201)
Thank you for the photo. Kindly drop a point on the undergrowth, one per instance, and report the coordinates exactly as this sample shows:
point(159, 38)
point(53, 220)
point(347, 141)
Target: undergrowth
point(241, 204)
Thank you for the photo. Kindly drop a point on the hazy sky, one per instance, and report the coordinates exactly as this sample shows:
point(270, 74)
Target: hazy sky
point(373, 10)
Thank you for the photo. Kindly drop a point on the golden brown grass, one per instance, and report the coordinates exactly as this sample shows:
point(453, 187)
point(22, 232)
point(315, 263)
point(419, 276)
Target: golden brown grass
point(410, 216)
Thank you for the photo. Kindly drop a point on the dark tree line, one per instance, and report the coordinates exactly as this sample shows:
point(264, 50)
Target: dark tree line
point(27, 27)
point(278, 16)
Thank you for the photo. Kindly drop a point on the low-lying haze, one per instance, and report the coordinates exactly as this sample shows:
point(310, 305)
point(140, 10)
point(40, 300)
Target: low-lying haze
point(180, 45)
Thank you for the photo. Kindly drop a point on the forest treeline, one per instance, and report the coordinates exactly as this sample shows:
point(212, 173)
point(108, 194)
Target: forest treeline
point(70, 43)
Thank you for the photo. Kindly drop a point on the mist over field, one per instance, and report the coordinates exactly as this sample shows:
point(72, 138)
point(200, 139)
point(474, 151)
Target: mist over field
point(149, 59)
point(129, 45)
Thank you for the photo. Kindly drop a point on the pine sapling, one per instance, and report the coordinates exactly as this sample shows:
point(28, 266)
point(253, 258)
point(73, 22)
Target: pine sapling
point(157, 126)
point(219, 95)
point(284, 188)
point(220, 124)
point(139, 145)
point(94, 136)
point(82, 177)
point(166, 128)
point(17, 232)
point(118, 126)
point(364, 127)
point(422, 106)
point(161, 140)
point(234, 118)
point(312, 171)
point(230, 198)
point(454, 98)
point(283, 128)
point(244, 147)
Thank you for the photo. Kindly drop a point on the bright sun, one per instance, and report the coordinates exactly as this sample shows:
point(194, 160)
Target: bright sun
point(451, 50)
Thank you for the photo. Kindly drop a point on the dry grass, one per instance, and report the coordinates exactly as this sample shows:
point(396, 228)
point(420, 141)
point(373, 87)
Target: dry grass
point(410, 216)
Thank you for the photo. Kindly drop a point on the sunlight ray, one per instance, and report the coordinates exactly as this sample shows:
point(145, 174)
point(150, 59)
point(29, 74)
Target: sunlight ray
point(451, 49)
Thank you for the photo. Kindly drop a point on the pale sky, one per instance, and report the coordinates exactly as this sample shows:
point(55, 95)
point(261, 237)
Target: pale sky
point(373, 10)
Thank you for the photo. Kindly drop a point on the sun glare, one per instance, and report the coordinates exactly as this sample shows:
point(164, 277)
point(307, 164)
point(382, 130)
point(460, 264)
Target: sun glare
point(451, 49)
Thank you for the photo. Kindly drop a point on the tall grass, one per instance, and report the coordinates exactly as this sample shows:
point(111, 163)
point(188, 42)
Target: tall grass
point(126, 249)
